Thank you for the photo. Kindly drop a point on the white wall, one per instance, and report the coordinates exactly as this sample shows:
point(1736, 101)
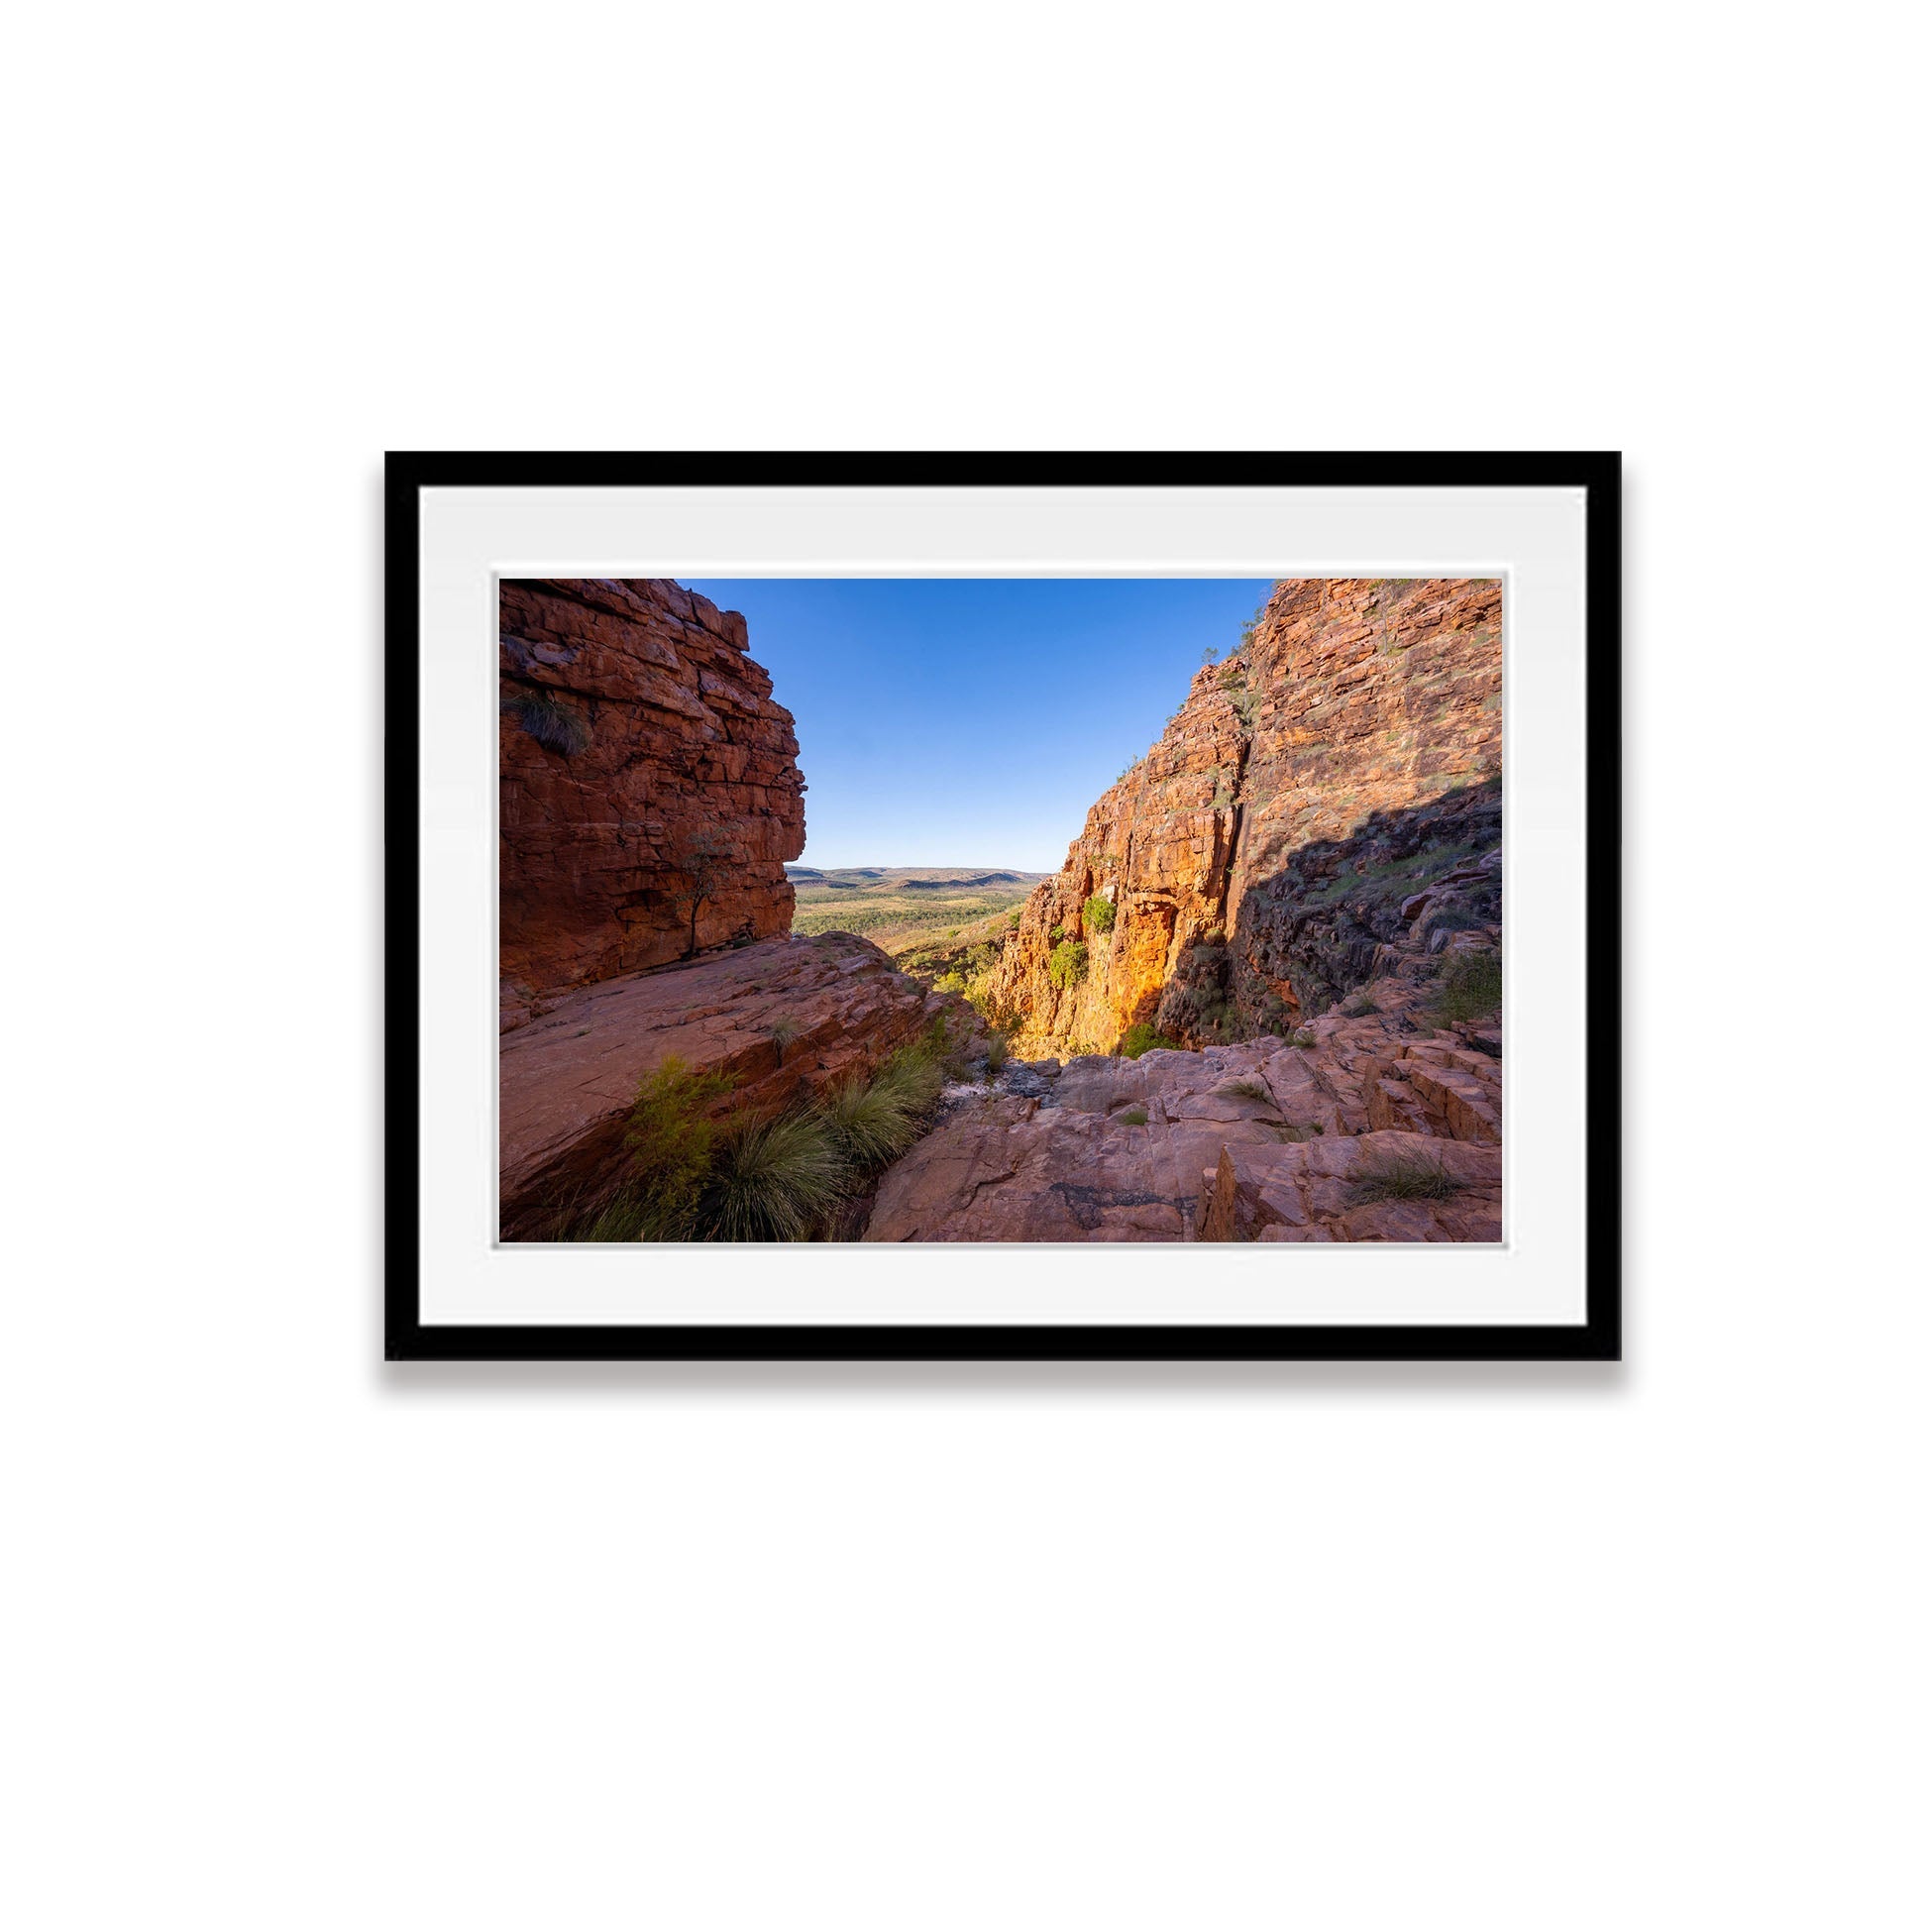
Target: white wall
point(294, 1641)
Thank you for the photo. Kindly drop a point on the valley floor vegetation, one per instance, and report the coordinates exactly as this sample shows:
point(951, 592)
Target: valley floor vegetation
point(899, 908)
point(798, 1175)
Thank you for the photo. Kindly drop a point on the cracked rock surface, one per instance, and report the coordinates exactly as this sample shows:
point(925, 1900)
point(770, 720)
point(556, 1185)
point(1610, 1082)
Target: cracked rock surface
point(1263, 1140)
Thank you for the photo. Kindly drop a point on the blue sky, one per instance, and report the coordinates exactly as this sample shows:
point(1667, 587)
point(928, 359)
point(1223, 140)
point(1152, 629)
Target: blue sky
point(972, 721)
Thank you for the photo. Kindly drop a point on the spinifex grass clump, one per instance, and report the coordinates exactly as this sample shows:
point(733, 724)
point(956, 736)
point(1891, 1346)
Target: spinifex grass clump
point(550, 721)
point(792, 1176)
point(1401, 1177)
point(875, 1121)
point(1133, 1116)
point(998, 1052)
point(1470, 987)
point(773, 1180)
point(1141, 1039)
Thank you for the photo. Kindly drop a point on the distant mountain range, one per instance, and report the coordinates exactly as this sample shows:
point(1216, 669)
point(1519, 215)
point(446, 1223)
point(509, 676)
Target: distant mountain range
point(898, 906)
point(909, 878)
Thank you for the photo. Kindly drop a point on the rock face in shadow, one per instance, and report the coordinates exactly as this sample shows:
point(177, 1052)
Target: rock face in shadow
point(1342, 762)
point(642, 764)
point(784, 1019)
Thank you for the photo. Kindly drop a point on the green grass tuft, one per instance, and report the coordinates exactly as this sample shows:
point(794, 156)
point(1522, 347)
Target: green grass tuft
point(872, 1121)
point(774, 1180)
point(1402, 1177)
point(550, 721)
point(1133, 1116)
point(789, 1178)
point(1470, 987)
point(1250, 1090)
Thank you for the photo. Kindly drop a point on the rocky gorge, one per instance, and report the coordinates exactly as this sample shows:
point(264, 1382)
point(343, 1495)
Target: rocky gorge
point(1329, 786)
point(1260, 1000)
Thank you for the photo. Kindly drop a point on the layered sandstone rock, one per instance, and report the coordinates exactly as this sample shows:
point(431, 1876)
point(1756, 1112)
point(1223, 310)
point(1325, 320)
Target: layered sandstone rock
point(1261, 1141)
point(646, 775)
point(784, 1019)
point(1311, 1191)
point(1344, 765)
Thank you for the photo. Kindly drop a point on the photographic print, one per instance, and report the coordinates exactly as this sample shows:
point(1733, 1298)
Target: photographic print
point(885, 906)
point(1042, 909)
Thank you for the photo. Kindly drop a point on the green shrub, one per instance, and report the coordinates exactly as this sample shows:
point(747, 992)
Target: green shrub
point(1470, 987)
point(1057, 934)
point(773, 1180)
point(668, 1142)
point(1141, 1039)
point(1302, 1037)
point(549, 720)
point(1097, 916)
point(1133, 1116)
point(1066, 965)
point(1401, 1177)
point(1013, 920)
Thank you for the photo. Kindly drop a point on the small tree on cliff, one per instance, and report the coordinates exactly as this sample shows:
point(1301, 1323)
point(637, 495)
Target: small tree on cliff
point(703, 861)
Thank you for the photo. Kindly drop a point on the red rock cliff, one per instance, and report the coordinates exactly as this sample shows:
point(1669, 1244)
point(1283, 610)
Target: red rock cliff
point(643, 767)
point(1307, 794)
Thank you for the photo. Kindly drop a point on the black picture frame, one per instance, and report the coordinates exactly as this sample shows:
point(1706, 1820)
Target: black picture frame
point(1598, 1337)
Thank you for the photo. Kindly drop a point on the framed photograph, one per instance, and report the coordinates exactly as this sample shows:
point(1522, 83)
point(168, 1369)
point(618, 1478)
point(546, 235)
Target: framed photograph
point(1003, 906)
